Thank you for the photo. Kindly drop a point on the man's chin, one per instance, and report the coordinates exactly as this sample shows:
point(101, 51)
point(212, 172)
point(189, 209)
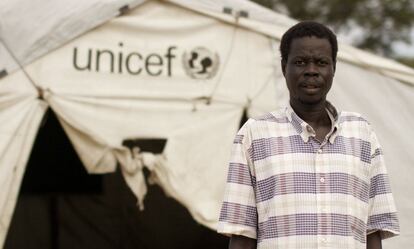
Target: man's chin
point(311, 101)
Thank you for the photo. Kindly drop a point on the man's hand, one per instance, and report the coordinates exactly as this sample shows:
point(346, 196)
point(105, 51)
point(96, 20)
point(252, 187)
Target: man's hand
point(374, 241)
point(241, 242)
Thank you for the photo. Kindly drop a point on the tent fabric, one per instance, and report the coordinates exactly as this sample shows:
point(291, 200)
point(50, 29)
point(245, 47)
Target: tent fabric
point(49, 24)
point(150, 75)
point(65, 21)
point(21, 114)
point(95, 119)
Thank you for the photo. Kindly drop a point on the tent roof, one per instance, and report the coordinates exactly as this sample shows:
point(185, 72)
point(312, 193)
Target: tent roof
point(48, 24)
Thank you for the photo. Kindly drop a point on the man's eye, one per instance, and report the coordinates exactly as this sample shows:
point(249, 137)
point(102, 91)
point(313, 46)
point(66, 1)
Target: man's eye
point(299, 62)
point(322, 62)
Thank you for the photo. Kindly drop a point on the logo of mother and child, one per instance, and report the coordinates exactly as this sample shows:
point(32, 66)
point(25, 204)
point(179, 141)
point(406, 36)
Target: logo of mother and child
point(198, 63)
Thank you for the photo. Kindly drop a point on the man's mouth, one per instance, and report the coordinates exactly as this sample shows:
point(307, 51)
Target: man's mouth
point(310, 85)
point(310, 88)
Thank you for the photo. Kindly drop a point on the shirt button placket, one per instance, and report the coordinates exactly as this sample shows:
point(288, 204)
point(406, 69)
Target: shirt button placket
point(321, 188)
point(324, 242)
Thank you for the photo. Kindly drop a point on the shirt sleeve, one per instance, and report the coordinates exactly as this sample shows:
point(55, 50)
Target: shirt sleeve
point(238, 213)
point(382, 214)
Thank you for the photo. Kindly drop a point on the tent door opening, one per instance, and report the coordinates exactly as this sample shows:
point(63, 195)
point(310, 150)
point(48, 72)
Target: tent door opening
point(61, 206)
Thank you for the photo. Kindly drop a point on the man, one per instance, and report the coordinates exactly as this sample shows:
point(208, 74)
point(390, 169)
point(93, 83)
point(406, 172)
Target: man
point(306, 176)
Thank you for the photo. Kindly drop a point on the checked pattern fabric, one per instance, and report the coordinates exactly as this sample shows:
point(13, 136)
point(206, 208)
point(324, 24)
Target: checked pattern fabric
point(288, 190)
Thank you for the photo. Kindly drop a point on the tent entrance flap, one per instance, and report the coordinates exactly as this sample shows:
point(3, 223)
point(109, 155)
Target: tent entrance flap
point(62, 206)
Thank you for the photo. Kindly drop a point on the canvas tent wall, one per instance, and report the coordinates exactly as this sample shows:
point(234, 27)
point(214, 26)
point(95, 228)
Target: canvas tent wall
point(179, 70)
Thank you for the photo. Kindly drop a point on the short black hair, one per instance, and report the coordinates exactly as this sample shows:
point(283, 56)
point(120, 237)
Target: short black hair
point(307, 29)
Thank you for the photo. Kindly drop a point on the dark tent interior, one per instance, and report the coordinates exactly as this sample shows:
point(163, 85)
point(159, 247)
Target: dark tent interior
point(60, 206)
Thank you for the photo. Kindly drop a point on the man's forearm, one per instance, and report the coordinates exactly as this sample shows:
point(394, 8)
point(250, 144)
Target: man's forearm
point(374, 241)
point(241, 242)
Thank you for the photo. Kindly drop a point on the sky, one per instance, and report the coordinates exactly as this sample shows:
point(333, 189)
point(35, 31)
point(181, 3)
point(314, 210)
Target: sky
point(405, 50)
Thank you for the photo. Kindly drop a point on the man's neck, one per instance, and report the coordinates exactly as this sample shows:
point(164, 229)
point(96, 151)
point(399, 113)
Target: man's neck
point(315, 115)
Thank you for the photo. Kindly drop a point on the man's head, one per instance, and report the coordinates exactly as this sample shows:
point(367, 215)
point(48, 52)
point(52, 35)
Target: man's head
point(307, 29)
point(308, 62)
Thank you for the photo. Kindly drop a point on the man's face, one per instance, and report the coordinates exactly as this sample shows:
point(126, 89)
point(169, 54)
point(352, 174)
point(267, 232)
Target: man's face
point(309, 70)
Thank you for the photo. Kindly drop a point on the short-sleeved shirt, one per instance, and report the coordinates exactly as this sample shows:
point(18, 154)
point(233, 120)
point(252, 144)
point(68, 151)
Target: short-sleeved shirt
point(288, 190)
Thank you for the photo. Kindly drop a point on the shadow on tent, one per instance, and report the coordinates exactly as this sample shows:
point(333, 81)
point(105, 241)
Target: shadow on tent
point(60, 206)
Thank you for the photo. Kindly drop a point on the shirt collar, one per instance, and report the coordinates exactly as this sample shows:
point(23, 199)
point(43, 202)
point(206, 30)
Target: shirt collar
point(306, 131)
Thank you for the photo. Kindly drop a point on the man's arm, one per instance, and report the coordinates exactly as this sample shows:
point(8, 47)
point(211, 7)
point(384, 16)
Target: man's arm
point(374, 241)
point(241, 242)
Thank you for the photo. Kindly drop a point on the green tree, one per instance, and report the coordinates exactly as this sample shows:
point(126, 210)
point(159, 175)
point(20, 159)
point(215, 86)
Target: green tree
point(382, 22)
point(407, 61)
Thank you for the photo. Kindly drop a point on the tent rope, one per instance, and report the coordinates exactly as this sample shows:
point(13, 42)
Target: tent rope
point(230, 51)
point(39, 90)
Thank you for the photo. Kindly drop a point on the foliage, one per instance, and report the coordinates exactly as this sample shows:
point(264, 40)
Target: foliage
point(407, 61)
point(381, 22)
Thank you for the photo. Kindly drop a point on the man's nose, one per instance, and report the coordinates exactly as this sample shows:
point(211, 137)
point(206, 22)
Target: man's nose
point(311, 70)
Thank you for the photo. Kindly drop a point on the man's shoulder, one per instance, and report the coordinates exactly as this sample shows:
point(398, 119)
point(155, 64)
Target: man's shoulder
point(353, 117)
point(277, 116)
point(273, 118)
point(355, 124)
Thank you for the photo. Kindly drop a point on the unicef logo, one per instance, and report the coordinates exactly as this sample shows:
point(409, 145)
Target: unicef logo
point(201, 63)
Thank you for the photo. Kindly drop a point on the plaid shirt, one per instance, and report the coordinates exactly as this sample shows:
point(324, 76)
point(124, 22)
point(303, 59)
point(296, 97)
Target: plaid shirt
point(288, 190)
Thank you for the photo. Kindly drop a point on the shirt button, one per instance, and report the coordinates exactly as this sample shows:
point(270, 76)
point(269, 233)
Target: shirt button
point(308, 128)
point(322, 179)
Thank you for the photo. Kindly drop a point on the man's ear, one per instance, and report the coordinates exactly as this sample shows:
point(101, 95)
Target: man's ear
point(283, 63)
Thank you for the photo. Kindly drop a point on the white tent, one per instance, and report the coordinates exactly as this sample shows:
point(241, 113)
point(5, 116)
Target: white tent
point(179, 70)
